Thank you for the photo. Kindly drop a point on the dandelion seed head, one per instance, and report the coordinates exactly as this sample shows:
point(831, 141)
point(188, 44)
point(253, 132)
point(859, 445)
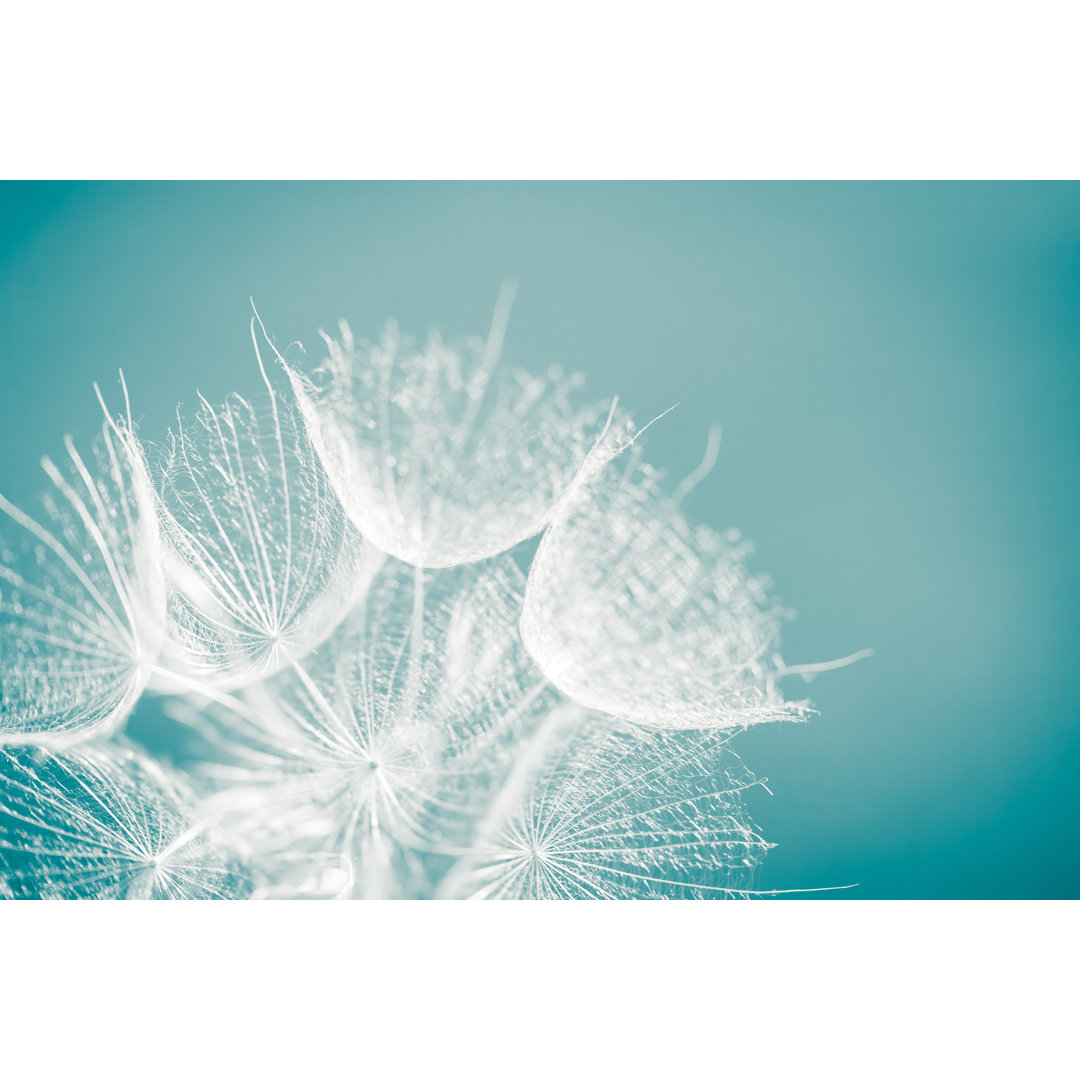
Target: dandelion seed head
point(82, 596)
point(632, 611)
point(440, 455)
point(374, 700)
point(399, 725)
point(595, 810)
point(104, 823)
point(263, 562)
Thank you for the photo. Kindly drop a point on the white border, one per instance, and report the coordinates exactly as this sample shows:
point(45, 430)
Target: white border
point(568, 89)
point(878, 989)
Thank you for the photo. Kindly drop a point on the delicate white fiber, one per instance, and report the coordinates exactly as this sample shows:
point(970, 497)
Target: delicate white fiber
point(384, 747)
point(631, 610)
point(595, 811)
point(82, 596)
point(104, 824)
point(355, 688)
point(263, 562)
point(440, 455)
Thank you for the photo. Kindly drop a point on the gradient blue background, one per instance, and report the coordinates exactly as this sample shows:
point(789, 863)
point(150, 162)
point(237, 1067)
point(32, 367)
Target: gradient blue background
point(896, 368)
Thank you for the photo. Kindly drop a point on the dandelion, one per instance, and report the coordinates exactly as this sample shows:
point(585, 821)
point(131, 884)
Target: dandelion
point(82, 596)
point(104, 824)
point(595, 811)
point(632, 611)
point(265, 563)
point(384, 747)
point(373, 697)
point(439, 455)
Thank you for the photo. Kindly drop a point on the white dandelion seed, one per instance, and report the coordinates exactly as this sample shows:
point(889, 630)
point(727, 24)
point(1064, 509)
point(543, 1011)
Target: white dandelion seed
point(595, 811)
point(384, 746)
point(631, 610)
point(82, 596)
point(265, 562)
point(104, 823)
point(439, 455)
point(374, 700)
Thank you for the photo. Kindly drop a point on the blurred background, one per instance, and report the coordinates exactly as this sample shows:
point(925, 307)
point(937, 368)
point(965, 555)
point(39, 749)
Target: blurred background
point(896, 368)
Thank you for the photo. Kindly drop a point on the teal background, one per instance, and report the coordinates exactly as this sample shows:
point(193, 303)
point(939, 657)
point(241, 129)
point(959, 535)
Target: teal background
point(896, 368)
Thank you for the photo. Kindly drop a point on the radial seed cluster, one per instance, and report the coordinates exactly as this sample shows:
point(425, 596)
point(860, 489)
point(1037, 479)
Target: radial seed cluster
point(361, 675)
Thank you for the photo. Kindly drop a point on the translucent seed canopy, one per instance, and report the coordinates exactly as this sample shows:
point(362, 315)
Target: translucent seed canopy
point(82, 596)
point(632, 611)
point(357, 690)
point(439, 455)
point(104, 823)
point(264, 563)
point(595, 811)
point(387, 743)
point(414, 703)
